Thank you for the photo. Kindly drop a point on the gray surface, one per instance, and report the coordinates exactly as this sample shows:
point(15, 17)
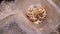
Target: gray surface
point(8, 23)
point(11, 28)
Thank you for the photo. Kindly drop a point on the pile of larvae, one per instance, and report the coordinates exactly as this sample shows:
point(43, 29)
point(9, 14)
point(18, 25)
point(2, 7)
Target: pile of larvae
point(36, 14)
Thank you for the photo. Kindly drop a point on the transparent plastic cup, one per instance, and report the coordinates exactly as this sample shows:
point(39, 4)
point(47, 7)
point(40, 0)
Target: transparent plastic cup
point(53, 16)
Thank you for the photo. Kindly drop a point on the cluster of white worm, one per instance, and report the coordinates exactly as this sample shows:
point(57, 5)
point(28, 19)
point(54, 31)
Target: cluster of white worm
point(36, 14)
